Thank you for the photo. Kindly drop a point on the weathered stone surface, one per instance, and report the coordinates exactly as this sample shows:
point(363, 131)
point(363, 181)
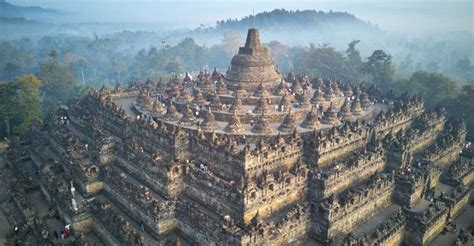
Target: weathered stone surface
point(252, 65)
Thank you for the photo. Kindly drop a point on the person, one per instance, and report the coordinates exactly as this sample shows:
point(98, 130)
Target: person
point(73, 189)
point(142, 227)
point(56, 235)
point(67, 231)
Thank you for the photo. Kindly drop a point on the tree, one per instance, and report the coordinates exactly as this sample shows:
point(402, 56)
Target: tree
point(280, 53)
point(53, 54)
point(465, 69)
point(466, 105)
point(58, 84)
point(7, 108)
point(231, 42)
point(20, 107)
point(174, 67)
point(78, 66)
point(12, 70)
point(15, 61)
point(353, 54)
point(354, 61)
point(118, 68)
point(218, 57)
point(278, 49)
point(379, 67)
point(322, 61)
point(406, 65)
point(28, 102)
point(434, 87)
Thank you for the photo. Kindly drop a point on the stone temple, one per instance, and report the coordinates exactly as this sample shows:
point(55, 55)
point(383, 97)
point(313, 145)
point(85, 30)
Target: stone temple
point(248, 157)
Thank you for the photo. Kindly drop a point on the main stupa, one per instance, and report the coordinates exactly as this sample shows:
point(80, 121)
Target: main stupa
point(252, 66)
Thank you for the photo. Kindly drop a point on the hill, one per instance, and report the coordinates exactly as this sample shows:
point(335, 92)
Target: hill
point(32, 12)
point(281, 18)
point(294, 28)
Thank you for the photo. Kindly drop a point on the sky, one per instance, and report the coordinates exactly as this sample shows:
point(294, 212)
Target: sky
point(403, 16)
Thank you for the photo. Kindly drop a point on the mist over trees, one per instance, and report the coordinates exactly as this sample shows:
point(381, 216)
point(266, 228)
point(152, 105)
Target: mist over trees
point(66, 65)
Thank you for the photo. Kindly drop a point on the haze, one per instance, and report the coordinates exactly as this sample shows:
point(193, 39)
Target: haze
point(403, 16)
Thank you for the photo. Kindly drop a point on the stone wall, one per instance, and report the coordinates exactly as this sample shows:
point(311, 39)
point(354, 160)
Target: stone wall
point(94, 187)
point(468, 178)
point(219, 195)
point(290, 229)
point(338, 218)
point(391, 232)
point(103, 234)
point(146, 177)
point(398, 118)
point(345, 173)
point(273, 157)
point(409, 189)
point(203, 152)
point(456, 200)
point(435, 229)
point(158, 226)
point(459, 172)
point(350, 221)
point(321, 149)
point(459, 206)
point(201, 227)
point(424, 226)
point(267, 201)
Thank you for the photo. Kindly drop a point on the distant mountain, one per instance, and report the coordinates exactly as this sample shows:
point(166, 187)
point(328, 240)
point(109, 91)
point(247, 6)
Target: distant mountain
point(17, 21)
point(294, 28)
point(34, 12)
point(13, 28)
point(281, 18)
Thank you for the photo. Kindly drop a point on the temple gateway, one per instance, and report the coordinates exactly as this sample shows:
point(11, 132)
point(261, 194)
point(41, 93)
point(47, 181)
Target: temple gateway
point(247, 157)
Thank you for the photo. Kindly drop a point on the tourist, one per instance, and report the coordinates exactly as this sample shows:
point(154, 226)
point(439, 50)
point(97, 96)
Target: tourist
point(67, 231)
